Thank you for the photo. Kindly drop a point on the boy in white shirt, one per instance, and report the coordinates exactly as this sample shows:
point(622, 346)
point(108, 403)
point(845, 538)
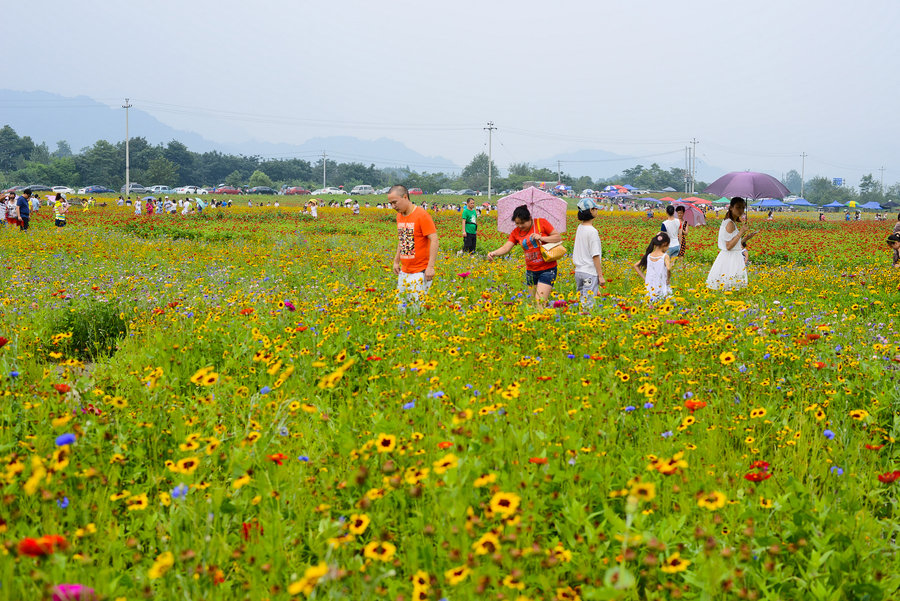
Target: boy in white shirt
point(672, 225)
point(587, 255)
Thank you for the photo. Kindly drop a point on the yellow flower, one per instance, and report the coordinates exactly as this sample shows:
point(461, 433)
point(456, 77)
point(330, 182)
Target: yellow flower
point(505, 503)
point(137, 502)
point(765, 503)
point(727, 358)
point(485, 480)
point(311, 577)
point(712, 501)
point(758, 412)
point(513, 583)
point(379, 551)
point(445, 463)
point(188, 465)
point(240, 482)
point(674, 564)
point(161, 565)
point(487, 544)
point(358, 523)
point(859, 414)
point(386, 443)
point(456, 575)
point(119, 496)
point(643, 491)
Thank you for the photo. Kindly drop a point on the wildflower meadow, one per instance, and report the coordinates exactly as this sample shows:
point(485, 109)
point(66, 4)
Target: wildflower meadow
point(230, 406)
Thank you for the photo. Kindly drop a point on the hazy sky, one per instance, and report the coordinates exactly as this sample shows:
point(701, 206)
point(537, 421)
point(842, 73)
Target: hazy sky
point(756, 85)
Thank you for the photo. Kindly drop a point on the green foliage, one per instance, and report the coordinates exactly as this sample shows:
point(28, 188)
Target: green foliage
point(258, 178)
point(234, 178)
point(161, 171)
point(96, 328)
point(475, 174)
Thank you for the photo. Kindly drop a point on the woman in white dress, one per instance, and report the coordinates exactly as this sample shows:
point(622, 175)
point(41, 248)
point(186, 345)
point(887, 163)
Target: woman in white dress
point(729, 272)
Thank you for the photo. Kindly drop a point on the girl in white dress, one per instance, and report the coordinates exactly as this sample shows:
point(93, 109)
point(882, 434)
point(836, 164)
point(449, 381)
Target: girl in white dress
point(729, 271)
point(654, 267)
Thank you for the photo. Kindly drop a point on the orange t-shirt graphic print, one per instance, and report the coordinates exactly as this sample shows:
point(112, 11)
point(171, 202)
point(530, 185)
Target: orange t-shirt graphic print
point(413, 231)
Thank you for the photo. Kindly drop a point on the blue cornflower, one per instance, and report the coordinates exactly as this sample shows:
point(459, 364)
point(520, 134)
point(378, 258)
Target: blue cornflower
point(303, 458)
point(648, 405)
point(836, 470)
point(265, 390)
point(688, 395)
point(630, 408)
point(570, 356)
point(180, 491)
point(667, 434)
point(409, 405)
point(283, 431)
point(828, 434)
point(64, 439)
point(63, 503)
point(14, 374)
point(742, 369)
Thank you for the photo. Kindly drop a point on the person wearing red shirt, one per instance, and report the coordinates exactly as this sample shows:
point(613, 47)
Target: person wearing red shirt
point(417, 247)
point(530, 234)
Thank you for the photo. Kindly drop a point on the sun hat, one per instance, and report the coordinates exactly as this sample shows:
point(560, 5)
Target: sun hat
point(895, 237)
point(586, 204)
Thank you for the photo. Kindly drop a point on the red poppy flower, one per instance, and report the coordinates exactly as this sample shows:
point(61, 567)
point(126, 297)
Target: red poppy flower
point(278, 458)
point(544, 378)
point(693, 405)
point(757, 476)
point(42, 546)
point(62, 388)
point(813, 336)
point(818, 365)
point(251, 528)
point(538, 460)
point(889, 477)
point(445, 445)
point(370, 290)
point(301, 328)
point(246, 310)
point(373, 358)
point(764, 465)
point(3, 341)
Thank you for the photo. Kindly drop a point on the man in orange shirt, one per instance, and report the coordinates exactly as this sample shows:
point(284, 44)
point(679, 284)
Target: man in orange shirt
point(417, 247)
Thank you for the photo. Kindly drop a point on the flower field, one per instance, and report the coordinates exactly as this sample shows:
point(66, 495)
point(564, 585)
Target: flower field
point(230, 406)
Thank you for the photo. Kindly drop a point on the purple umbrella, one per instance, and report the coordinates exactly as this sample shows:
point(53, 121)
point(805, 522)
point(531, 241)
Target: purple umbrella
point(747, 184)
point(539, 203)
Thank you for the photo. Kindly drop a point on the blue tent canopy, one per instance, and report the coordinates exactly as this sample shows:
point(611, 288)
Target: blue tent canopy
point(871, 205)
point(769, 203)
point(801, 202)
point(834, 205)
point(629, 187)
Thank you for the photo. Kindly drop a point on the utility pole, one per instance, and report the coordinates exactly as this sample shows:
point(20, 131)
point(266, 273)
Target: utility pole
point(324, 161)
point(490, 128)
point(127, 106)
point(687, 167)
point(558, 172)
point(803, 156)
point(882, 180)
point(693, 164)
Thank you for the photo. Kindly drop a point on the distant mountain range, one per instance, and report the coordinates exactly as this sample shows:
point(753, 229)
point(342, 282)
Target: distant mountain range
point(81, 121)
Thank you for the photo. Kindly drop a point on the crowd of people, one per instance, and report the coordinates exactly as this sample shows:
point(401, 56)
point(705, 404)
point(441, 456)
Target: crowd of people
point(414, 260)
point(417, 245)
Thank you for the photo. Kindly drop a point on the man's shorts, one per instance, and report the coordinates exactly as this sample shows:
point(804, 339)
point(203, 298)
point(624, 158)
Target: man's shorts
point(60, 223)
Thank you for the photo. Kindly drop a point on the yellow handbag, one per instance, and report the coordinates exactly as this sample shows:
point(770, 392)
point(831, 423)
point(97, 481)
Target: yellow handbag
point(554, 251)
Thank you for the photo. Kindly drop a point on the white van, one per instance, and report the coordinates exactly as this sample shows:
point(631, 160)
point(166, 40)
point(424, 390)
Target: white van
point(362, 189)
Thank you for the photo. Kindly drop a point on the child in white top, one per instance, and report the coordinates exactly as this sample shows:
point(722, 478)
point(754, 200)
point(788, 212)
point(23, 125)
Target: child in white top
point(654, 268)
point(587, 255)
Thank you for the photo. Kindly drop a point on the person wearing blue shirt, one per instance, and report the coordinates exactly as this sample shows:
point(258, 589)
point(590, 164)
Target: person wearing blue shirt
point(23, 209)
